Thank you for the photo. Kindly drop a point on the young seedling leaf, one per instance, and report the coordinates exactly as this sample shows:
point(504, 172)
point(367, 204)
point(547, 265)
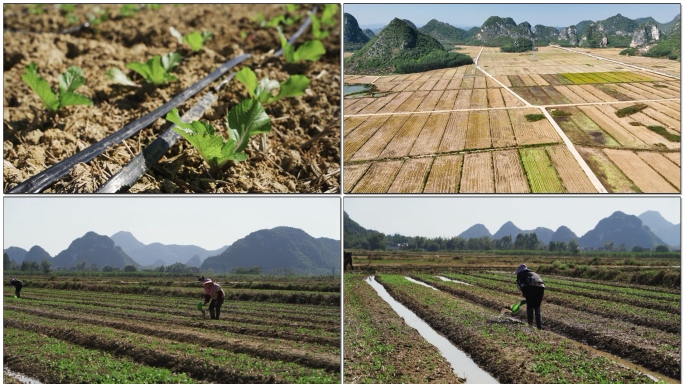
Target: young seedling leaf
point(246, 119)
point(291, 8)
point(329, 12)
point(73, 99)
point(156, 70)
point(194, 41)
point(70, 80)
point(170, 61)
point(40, 87)
point(203, 137)
point(176, 34)
point(310, 50)
point(295, 85)
point(316, 28)
point(248, 78)
point(115, 75)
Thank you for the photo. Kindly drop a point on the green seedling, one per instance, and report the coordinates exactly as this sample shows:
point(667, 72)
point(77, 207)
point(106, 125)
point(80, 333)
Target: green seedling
point(280, 19)
point(309, 51)
point(37, 9)
point(153, 7)
point(263, 90)
point(329, 12)
point(157, 70)
point(316, 28)
point(98, 16)
point(245, 120)
point(194, 40)
point(128, 10)
point(291, 8)
point(69, 81)
point(67, 8)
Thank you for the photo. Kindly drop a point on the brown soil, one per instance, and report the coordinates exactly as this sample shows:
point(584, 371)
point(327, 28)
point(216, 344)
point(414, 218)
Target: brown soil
point(32, 142)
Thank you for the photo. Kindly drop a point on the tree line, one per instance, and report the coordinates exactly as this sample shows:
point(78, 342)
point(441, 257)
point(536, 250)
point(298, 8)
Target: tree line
point(529, 242)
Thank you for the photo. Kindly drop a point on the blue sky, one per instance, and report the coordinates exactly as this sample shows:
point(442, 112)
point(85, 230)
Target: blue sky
point(554, 15)
point(209, 222)
point(449, 216)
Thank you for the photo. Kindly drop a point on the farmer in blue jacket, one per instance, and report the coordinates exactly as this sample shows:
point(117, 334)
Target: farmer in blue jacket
point(532, 288)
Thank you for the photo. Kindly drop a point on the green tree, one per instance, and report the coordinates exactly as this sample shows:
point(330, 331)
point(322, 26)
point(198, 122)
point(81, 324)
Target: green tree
point(130, 268)
point(573, 246)
point(506, 242)
point(377, 241)
point(107, 268)
point(93, 267)
point(81, 266)
point(662, 248)
point(45, 266)
point(6, 262)
point(637, 248)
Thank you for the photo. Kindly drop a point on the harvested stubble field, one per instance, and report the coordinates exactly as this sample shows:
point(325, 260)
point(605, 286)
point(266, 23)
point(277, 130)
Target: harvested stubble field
point(471, 128)
point(149, 330)
point(594, 330)
point(292, 157)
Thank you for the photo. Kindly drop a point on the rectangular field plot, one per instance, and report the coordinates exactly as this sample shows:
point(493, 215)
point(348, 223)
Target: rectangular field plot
point(445, 175)
point(509, 175)
point(644, 176)
point(378, 178)
point(411, 176)
point(605, 77)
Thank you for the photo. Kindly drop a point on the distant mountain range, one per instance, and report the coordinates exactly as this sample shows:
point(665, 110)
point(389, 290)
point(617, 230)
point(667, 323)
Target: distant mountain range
point(645, 34)
point(157, 254)
point(648, 230)
point(276, 250)
point(279, 250)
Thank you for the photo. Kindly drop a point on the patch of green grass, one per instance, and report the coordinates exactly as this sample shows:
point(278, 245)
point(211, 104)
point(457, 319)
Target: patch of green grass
point(657, 85)
point(534, 117)
point(630, 110)
point(635, 123)
point(560, 113)
point(664, 133)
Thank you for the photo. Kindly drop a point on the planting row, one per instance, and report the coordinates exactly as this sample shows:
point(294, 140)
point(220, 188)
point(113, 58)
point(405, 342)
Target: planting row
point(278, 296)
point(666, 319)
point(379, 346)
point(238, 359)
point(649, 347)
point(510, 351)
point(535, 169)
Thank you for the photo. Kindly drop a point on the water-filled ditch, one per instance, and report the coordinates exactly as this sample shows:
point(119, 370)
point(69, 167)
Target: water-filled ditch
point(460, 362)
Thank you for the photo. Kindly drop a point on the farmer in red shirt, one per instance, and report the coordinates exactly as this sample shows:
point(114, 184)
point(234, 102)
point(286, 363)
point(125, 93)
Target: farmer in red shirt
point(213, 292)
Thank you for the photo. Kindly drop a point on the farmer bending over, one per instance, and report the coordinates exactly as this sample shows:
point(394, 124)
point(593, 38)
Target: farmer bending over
point(18, 285)
point(213, 292)
point(532, 288)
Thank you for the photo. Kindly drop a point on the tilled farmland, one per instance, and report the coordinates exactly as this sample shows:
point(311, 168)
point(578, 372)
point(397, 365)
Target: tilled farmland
point(285, 335)
point(470, 127)
point(594, 331)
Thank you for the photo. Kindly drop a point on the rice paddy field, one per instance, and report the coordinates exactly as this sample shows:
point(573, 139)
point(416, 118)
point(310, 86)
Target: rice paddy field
point(550, 121)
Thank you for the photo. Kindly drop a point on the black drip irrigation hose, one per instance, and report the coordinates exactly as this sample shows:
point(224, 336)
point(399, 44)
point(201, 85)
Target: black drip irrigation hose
point(142, 162)
point(39, 182)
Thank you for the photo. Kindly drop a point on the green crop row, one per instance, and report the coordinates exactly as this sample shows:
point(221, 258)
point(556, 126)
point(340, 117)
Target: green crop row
point(540, 171)
point(604, 77)
point(628, 311)
point(64, 362)
point(243, 364)
point(507, 348)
